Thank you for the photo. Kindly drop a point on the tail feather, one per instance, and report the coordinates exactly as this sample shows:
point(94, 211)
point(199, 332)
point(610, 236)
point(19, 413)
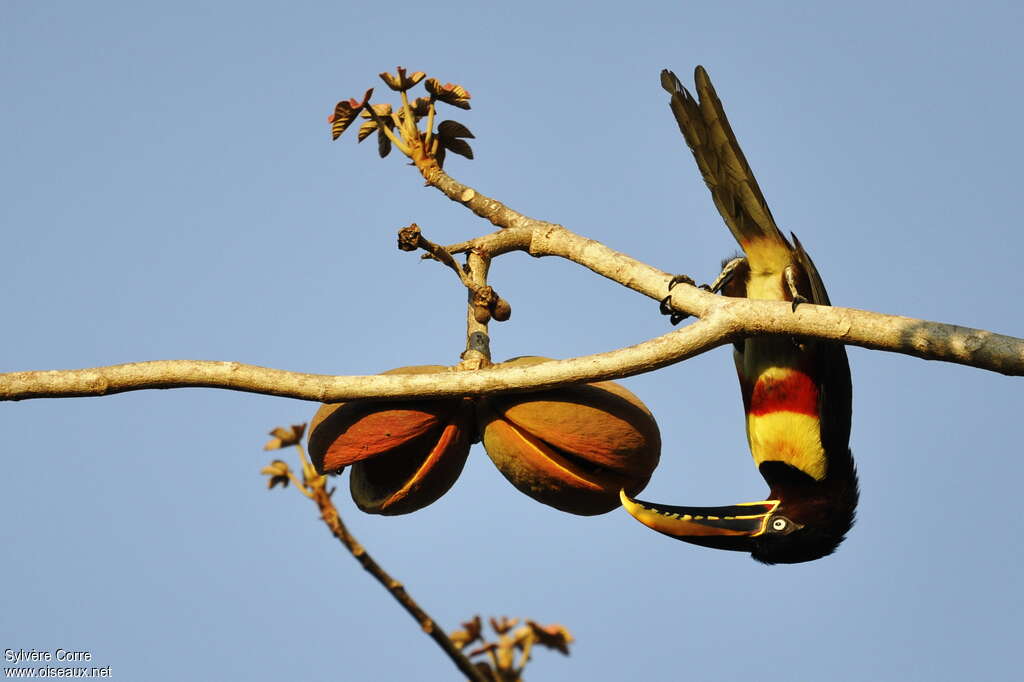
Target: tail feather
point(726, 172)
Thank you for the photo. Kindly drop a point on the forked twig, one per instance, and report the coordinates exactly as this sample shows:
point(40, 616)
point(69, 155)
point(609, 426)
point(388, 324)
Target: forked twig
point(314, 486)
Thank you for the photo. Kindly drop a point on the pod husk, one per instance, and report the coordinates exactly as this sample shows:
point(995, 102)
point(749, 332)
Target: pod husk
point(404, 455)
point(573, 447)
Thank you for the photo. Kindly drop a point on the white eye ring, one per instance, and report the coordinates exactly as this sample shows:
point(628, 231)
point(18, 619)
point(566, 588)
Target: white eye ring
point(779, 524)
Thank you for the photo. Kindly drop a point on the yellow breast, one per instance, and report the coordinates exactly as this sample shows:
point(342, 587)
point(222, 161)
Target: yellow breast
point(782, 421)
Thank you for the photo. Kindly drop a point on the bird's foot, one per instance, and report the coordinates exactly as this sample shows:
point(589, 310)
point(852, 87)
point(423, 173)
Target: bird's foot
point(794, 294)
point(666, 307)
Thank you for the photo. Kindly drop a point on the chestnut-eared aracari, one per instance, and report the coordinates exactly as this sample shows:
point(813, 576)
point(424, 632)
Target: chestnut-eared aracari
point(797, 394)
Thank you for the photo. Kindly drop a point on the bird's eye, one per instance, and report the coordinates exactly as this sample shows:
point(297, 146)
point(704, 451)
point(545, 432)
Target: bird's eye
point(780, 524)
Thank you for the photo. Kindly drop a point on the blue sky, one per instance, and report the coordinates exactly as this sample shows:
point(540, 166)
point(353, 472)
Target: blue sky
point(169, 190)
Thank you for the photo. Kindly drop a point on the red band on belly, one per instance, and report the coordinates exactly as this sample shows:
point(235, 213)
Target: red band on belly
point(792, 392)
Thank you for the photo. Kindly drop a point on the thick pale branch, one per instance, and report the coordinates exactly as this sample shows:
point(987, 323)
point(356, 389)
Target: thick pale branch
point(920, 338)
point(492, 210)
point(652, 354)
point(722, 320)
point(555, 240)
point(726, 319)
point(923, 339)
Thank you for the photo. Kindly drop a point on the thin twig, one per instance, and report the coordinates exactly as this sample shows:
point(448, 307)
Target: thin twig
point(527, 649)
point(329, 513)
point(429, 133)
point(402, 147)
point(411, 238)
point(484, 302)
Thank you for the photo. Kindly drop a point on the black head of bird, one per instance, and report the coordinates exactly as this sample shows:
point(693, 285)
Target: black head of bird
point(802, 520)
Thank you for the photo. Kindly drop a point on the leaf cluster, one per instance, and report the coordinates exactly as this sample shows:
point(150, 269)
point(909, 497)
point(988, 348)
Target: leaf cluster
point(498, 659)
point(400, 127)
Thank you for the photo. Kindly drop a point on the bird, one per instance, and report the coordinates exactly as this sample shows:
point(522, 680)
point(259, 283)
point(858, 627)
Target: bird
point(797, 393)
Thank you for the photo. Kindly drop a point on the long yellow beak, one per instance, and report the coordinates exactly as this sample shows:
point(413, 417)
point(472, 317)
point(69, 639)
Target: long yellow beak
point(732, 527)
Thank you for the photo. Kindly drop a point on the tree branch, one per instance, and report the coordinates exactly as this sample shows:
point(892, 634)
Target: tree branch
point(492, 210)
point(314, 486)
point(330, 516)
point(725, 320)
point(478, 340)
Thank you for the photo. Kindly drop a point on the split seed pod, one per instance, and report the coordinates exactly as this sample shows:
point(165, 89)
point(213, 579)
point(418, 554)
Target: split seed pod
point(404, 455)
point(572, 447)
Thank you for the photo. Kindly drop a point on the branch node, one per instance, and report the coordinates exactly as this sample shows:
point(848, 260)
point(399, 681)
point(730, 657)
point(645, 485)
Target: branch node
point(409, 238)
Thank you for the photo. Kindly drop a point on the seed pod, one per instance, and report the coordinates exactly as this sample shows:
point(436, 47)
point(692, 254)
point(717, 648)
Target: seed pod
point(501, 310)
point(404, 455)
point(481, 314)
point(573, 447)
